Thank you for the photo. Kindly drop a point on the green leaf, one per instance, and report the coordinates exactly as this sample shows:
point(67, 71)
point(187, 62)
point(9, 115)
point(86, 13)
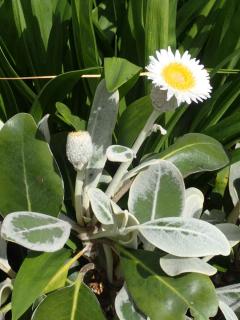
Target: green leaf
point(56, 90)
point(184, 237)
point(35, 231)
point(118, 71)
point(194, 152)
point(29, 177)
point(157, 192)
point(196, 37)
point(76, 302)
point(35, 273)
point(33, 25)
point(64, 113)
point(186, 13)
point(84, 37)
point(23, 88)
point(226, 130)
point(101, 124)
point(133, 120)
point(168, 297)
point(160, 25)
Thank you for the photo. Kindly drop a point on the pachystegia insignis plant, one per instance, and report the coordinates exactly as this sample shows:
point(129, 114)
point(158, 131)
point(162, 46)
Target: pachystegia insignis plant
point(142, 226)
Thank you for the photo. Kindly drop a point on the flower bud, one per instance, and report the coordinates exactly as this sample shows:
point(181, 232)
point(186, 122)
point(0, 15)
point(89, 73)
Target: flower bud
point(159, 100)
point(79, 148)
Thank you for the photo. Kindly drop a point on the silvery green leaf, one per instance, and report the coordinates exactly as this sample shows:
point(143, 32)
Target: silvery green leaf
point(121, 216)
point(185, 237)
point(43, 128)
point(174, 266)
point(234, 181)
point(1, 124)
point(157, 192)
point(129, 240)
point(193, 203)
point(35, 231)
point(125, 308)
point(230, 295)
point(117, 153)
point(139, 168)
point(5, 290)
point(4, 265)
point(213, 216)
point(228, 313)
point(101, 123)
point(101, 206)
point(231, 232)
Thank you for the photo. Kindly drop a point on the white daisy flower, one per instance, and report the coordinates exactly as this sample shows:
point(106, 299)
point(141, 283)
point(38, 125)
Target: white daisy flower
point(181, 76)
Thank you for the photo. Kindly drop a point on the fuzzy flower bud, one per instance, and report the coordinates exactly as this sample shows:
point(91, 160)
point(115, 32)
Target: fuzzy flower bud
point(79, 148)
point(159, 100)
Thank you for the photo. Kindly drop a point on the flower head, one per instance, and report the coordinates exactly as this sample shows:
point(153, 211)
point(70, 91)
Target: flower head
point(181, 76)
point(79, 148)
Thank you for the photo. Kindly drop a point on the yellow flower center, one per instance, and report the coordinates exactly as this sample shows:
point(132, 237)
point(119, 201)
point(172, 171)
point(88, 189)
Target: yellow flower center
point(178, 76)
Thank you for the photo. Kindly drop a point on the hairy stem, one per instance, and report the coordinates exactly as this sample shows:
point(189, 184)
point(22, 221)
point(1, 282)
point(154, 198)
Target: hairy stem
point(78, 197)
point(116, 182)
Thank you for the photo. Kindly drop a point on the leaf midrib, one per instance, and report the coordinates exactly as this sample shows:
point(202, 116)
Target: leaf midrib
point(155, 196)
point(77, 287)
point(58, 224)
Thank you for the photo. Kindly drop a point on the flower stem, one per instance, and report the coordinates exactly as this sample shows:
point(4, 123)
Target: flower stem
point(115, 184)
point(109, 262)
point(78, 197)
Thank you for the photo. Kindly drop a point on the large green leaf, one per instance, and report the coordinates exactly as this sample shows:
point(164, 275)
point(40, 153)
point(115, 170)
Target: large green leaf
point(35, 273)
point(157, 192)
point(56, 90)
point(168, 298)
point(133, 120)
point(76, 302)
point(118, 71)
point(195, 152)
point(29, 177)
